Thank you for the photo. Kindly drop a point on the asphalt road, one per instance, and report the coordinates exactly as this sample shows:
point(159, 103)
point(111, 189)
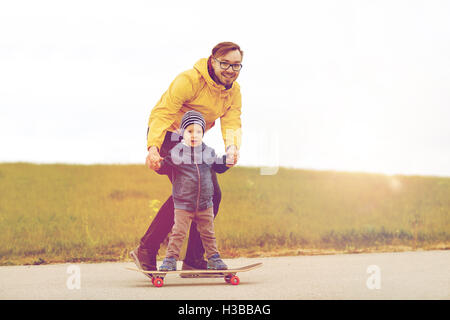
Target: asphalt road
point(406, 275)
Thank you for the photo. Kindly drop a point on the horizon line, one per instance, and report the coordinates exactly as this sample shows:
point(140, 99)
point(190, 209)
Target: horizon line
point(239, 166)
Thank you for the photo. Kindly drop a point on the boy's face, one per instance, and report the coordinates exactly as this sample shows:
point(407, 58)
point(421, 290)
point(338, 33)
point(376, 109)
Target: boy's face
point(193, 135)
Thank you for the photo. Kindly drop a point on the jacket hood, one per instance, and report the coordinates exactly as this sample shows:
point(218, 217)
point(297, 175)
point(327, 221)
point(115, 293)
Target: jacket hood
point(202, 67)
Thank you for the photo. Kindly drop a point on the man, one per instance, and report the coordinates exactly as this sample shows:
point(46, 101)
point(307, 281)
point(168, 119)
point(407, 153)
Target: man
point(211, 89)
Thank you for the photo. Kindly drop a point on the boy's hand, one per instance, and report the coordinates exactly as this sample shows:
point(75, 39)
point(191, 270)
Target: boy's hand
point(232, 156)
point(153, 160)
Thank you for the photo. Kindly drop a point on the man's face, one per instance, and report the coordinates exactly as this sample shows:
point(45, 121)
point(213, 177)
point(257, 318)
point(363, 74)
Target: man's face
point(193, 135)
point(227, 77)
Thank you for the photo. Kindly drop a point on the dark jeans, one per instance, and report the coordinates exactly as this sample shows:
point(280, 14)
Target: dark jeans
point(164, 220)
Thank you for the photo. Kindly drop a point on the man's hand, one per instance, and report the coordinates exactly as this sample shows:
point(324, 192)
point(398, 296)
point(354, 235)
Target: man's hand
point(232, 156)
point(153, 160)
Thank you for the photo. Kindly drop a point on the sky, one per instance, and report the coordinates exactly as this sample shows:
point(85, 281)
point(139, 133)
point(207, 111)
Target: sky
point(326, 85)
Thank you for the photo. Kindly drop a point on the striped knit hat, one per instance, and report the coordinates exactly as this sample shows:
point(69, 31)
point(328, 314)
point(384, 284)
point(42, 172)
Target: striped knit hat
point(192, 117)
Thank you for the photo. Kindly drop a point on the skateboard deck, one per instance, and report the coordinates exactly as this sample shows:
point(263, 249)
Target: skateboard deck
point(229, 275)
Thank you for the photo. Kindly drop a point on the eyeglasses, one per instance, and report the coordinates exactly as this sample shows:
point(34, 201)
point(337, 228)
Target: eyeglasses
point(226, 65)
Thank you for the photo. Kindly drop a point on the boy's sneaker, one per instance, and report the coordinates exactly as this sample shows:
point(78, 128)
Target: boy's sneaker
point(169, 264)
point(215, 263)
point(144, 260)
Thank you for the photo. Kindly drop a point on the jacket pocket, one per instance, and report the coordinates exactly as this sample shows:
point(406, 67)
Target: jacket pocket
point(207, 187)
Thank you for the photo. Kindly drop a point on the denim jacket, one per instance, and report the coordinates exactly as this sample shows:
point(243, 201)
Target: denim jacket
point(191, 170)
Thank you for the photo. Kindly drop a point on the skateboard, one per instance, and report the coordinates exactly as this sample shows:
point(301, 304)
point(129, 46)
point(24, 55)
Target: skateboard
point(229, 275)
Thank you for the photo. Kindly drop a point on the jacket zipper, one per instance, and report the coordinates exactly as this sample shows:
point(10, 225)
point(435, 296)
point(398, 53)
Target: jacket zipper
point(198, 196)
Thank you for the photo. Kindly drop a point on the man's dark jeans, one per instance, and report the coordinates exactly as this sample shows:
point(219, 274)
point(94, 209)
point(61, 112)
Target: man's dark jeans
point(164, 220)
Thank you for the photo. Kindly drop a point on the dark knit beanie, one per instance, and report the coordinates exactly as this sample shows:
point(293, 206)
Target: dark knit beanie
point(192, 117)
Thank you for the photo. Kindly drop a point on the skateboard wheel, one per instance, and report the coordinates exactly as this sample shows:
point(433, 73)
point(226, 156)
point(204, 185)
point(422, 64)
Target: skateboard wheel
point(158, 282)
point(234, 280)
point(227, 279)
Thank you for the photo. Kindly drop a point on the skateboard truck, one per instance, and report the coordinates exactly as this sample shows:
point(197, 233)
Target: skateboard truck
point(231, 278)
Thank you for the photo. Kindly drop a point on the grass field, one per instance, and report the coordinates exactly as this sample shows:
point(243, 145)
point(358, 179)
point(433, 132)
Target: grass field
point(72, 213)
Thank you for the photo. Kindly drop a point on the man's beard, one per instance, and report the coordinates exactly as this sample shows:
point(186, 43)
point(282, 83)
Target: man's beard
point(229, 84)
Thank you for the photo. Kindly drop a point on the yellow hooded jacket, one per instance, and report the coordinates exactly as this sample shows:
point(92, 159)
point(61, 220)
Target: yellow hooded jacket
point(195, 90)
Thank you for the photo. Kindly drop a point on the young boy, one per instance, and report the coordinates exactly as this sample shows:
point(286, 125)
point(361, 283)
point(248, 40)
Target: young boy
point(190, 163)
